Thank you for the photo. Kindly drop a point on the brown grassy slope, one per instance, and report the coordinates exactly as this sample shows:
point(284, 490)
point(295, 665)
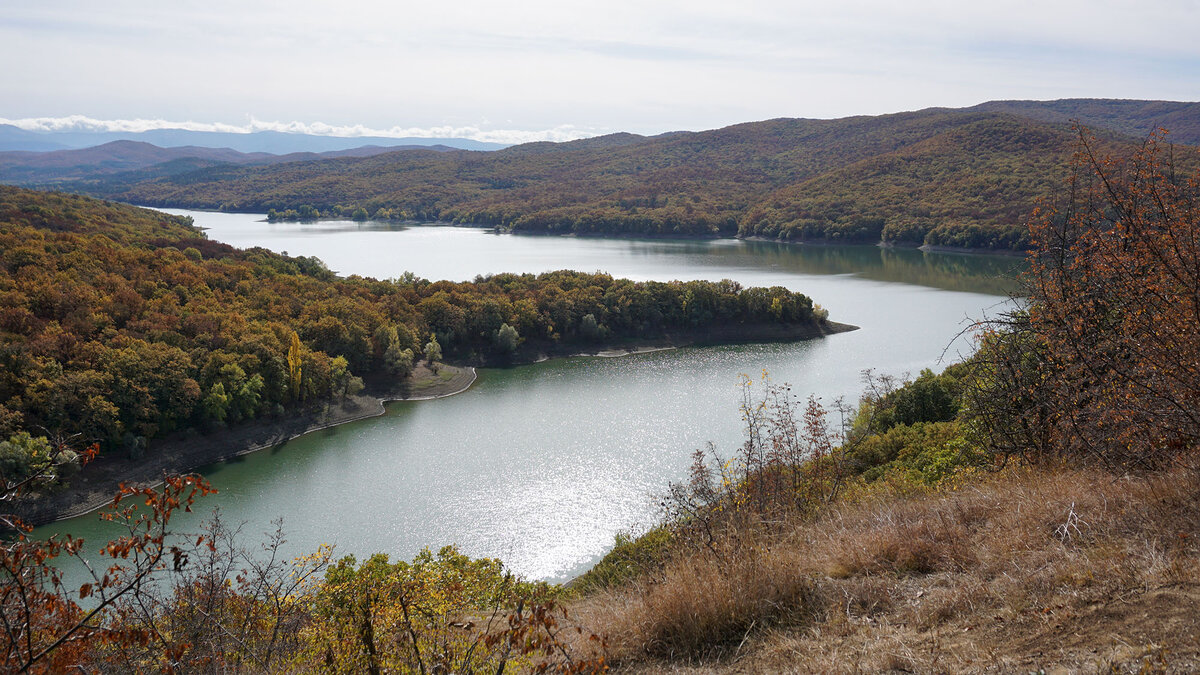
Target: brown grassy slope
point(1071, 571)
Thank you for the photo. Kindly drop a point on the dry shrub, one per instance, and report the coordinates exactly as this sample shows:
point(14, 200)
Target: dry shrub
point(705, 605)
point(1017, 538)
point(904, 539)
point(1114, 285)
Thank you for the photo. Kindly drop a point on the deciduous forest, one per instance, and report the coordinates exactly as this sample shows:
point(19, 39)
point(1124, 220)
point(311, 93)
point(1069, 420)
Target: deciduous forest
point(955, 178)
point(121, 324)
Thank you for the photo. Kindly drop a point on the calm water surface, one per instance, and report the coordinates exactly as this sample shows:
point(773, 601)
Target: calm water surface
point(541, 465)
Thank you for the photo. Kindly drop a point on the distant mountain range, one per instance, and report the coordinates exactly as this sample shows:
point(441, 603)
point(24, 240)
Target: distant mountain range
point(45, 169)
point(274, 142)
point(941, 177)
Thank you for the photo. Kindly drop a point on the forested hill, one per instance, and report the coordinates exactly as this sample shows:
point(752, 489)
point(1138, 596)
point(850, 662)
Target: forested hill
point(948, 177)
point(1131, 117)
point(122, 324)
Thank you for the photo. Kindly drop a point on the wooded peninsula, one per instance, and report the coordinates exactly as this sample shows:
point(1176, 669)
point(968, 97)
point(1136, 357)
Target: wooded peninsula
point(122, 325)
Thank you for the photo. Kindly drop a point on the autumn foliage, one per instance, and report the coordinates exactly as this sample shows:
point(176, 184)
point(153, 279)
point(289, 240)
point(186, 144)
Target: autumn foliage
point(125, 325)
point(1113, 362)
point(169, 601)
point(938, 177)
point(47, 627)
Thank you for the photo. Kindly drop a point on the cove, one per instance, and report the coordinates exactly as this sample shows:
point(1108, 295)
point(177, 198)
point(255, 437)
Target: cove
point(540, 465)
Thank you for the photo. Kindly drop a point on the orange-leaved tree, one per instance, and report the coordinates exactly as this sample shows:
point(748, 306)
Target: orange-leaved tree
point(1115, 308)
point(42, 626)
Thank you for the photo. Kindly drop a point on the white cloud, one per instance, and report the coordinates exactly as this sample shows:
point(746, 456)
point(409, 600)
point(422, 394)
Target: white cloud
point(83, 123)
point(601, 65)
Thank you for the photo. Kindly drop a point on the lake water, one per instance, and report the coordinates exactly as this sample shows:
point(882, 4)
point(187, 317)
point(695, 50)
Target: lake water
point(540, 465)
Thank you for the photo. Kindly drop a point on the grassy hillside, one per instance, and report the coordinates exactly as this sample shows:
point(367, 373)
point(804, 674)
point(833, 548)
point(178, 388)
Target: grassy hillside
point(941, 177)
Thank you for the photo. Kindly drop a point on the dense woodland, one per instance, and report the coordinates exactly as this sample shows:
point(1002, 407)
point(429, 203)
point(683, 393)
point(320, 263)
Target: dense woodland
point(121, 324)
point(959, 178)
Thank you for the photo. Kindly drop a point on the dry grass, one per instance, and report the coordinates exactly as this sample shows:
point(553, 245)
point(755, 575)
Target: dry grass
point(1074, 570)
point(705, 605)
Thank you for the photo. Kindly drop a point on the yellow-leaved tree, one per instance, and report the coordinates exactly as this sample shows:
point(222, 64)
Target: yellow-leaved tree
point(295, 366)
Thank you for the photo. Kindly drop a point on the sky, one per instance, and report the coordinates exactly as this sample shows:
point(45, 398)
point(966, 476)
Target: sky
point(555, 70)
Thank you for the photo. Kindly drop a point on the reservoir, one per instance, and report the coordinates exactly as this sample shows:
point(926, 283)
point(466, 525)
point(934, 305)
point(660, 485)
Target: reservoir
point(541, 465)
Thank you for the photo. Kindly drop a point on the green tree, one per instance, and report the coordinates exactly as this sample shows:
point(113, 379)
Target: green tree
point(506, 339)
point(216, 404)
point(22, 455)
point(397, 358)
point(399, 361)
point(433, 350)
point(339, 376)
point(590, 329)
point(247, 400)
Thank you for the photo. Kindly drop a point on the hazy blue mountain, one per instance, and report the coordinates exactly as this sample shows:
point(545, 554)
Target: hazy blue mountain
point(16, 138)
point(22, 167)
point(274, 142)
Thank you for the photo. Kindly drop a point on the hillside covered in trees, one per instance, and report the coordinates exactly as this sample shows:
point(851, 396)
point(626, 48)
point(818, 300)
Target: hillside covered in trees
point(1126, 116)
point(962, 178)
point(119, 324)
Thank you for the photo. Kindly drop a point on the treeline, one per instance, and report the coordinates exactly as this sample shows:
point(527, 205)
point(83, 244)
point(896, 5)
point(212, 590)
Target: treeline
point(307, 213)
point(122, 325)
point(938, 177)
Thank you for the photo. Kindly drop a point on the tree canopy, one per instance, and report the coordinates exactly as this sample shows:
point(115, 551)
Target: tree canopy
point(119, 321)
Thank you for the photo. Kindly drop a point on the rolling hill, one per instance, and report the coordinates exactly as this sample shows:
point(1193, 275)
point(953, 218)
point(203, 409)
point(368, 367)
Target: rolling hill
point(1131, 117)
point(48, 168)
point(273, 142)
point(960, 178)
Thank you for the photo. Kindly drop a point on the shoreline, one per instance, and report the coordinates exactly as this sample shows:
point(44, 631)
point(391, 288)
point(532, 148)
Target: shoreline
point(184, 452)
point(733, 334)
point(712, 236)
point(94, 487)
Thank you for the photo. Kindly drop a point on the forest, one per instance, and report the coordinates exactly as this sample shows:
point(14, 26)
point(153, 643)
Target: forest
point(956, 178)
point(119, 325)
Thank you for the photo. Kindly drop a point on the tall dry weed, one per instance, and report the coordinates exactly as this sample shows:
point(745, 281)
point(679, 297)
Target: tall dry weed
point(705, 605)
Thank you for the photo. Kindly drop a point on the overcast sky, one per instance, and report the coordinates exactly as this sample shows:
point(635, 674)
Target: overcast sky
point(559, 69)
